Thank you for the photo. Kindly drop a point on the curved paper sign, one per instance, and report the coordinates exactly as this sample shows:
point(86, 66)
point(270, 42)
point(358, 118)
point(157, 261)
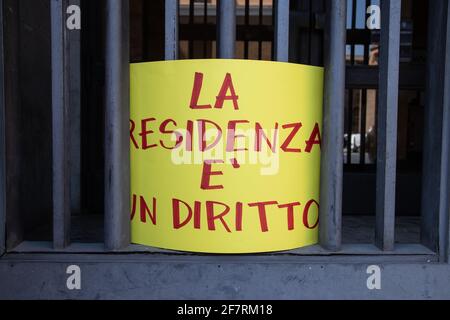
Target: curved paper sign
point(225, 155)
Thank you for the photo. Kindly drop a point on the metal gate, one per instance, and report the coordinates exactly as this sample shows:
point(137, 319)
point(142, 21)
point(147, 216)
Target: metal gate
point(116, 261)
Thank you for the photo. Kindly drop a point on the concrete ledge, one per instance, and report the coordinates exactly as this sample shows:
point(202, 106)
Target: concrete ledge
point(159, 276)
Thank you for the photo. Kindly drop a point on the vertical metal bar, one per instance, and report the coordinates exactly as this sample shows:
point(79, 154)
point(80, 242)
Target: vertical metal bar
point(363, 120)
point(333, 126)
point(362, 159)
point(272, 43)
point(260, 22)
point(74, 60)
point(282, 30)
point(353, 27)
point(226, 14)
point(191, 24)
point(171, 27)
point(444, 197)
point(2, 141)
point(316, 35)
point(431, 175)
point(247, 13)
point(302, 37)
point(205, 24)
point(145, 29)
point(117, 113)
point(387, 124)
point(310, 27)
point(60, 126)
point(11, 20)
point(246, 24)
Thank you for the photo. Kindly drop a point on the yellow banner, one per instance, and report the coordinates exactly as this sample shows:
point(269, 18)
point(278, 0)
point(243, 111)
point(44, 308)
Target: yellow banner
point(225, 155)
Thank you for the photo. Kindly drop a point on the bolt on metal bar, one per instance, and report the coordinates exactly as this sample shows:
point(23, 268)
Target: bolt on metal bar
point(387, 124)
point(60, 125)
point(226, 28)
point(117, 113)
point(171, 30)
point(282, 30)
point(330, 213)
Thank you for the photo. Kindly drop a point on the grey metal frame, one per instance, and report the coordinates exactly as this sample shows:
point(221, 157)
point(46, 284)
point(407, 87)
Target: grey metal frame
point(60, 124)
point(226, 32)
point(117, 179)
point(331, 167)
point(302, 273)
point(117, 113)
point(444, 195)
point(387, 124)
point(433, 205)
point(281, 30)
point(125, 276)
point(2, 142)
point(171, 29)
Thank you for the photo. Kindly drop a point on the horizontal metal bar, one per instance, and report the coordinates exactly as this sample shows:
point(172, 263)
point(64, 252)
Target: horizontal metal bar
point(412, 77)
point(282, 30)
point(226, 24)
point(171, 29)
point(212, 10)
point(346, 249)
point(330, 230)
point(60, 125)
point(164, 277)
point(117, 113)
point(201, 32)
point(387, 124)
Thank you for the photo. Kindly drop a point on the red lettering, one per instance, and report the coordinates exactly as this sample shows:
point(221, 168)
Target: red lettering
point(198, 82)
point(163, 129)
point(133, 207)
point(306, 214)
point(145, 210)
point(177, 224)
point(262, 213)
point(189, 135)
point(145, 132)
point(202, 134)
point(222, 96)
point(239, 216)
point(260, 133)
point(133, 139)
point(232, 136)
point(285, 146)
point(290, 213)
point(197, 210)
point(211, 217)
point(207, 173)
point(313, 139)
